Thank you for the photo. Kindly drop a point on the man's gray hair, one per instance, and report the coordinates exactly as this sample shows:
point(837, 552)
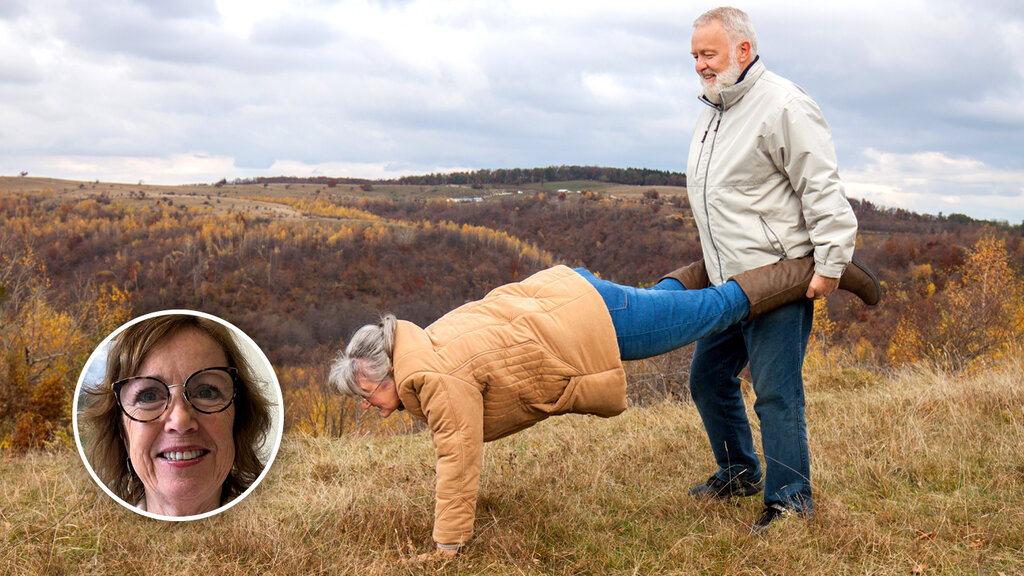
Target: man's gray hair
point(368, 355)
point(735, 22)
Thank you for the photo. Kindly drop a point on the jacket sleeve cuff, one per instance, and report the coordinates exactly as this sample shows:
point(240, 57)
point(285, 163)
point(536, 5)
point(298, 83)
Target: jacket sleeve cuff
point(829, 270)
point(831, 261)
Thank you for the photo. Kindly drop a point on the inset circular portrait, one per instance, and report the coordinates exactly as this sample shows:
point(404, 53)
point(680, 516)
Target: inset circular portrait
point(178, 415)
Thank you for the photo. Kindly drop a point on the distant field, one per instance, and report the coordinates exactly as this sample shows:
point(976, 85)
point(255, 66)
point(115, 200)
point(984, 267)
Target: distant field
point(199, 193)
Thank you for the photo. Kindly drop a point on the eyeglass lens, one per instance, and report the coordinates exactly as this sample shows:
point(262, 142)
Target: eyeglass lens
point(208, 391)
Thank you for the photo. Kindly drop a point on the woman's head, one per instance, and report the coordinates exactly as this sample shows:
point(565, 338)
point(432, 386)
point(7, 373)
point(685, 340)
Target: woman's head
point(171, 437)
point(364, 370)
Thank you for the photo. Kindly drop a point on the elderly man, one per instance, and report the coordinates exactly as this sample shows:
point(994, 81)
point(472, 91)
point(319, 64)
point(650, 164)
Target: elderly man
point(764, 187)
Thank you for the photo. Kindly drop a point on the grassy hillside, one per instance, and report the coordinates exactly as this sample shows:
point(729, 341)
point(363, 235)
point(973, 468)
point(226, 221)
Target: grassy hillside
point(915, 473)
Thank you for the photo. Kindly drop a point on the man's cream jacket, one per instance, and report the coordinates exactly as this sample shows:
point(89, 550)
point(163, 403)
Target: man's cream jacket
point(763, 181)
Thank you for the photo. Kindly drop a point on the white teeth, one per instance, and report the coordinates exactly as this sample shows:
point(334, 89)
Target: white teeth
point(186, 455)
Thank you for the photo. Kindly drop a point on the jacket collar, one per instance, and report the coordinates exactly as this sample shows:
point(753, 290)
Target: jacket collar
point(733, 94)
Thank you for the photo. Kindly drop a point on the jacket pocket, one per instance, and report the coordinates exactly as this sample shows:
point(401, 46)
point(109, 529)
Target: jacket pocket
point(772, 238)
point(560, 404)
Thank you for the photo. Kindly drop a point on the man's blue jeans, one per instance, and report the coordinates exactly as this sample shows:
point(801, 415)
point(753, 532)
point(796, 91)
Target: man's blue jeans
point(649, 322)
point(774, 344)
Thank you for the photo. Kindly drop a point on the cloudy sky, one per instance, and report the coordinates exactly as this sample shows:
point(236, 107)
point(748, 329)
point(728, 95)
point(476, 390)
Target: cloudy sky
point(925, 97)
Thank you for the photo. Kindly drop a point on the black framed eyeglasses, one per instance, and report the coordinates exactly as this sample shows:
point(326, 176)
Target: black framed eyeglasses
point(146, 398)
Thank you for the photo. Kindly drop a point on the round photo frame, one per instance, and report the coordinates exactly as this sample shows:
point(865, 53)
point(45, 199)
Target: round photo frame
point(92, 385)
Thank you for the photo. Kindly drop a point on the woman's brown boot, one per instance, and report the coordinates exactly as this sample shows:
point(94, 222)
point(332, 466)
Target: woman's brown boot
point(860, 280)
point(692, 276)
point(771, 286)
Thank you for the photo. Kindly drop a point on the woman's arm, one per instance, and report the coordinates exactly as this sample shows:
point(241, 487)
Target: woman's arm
point(455, 414)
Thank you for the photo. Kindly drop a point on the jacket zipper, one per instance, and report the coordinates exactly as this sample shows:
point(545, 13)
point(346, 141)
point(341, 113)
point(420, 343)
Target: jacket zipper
point(773, 238)
point(707, 170)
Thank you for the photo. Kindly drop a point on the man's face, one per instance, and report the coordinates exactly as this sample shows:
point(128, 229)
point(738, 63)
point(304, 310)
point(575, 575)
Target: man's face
point(718, 63)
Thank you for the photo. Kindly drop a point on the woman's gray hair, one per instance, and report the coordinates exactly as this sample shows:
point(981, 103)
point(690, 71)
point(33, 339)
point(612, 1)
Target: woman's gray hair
point(368, 355)
point(735, 22)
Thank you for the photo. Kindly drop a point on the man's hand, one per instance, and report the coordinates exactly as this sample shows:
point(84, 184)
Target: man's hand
point(821, 287)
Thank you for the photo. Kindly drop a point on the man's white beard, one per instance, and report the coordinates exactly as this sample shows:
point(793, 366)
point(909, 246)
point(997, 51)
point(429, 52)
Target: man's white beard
point(728, 77)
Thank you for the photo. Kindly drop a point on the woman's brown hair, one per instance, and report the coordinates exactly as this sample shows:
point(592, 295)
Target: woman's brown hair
point(102, 425)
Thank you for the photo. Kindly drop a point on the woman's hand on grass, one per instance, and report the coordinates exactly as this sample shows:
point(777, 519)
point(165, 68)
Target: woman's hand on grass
point(439, 555)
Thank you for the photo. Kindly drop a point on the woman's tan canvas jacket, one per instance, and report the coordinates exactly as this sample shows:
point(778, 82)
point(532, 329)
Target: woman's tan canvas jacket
point(526, 351)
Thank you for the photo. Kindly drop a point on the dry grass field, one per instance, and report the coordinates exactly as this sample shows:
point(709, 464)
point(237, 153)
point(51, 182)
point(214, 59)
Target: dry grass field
point(915, 473)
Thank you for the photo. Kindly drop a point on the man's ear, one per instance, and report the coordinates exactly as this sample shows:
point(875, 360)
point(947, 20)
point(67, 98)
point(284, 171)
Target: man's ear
point(743, 53)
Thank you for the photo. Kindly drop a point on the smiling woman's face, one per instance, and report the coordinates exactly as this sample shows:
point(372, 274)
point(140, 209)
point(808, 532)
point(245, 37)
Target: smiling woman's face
point(184, 456)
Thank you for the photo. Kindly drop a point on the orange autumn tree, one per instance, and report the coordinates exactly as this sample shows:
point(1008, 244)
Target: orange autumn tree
point(979, 316)
point(984, 310)
point(45, 337)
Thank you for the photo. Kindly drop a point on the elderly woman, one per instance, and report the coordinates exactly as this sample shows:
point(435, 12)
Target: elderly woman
point(178, 422)
point(551, 344)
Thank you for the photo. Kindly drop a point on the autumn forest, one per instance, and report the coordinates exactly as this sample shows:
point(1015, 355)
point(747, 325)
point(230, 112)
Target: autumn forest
point(298, 265)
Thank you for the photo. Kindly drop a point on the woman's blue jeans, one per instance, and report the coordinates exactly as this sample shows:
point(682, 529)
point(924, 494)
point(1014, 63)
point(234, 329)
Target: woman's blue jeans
point(653, 321)
point(667, 316)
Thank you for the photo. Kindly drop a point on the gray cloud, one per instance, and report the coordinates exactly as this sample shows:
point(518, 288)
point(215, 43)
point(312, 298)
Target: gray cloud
point(243, 88)
point(941, 76)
